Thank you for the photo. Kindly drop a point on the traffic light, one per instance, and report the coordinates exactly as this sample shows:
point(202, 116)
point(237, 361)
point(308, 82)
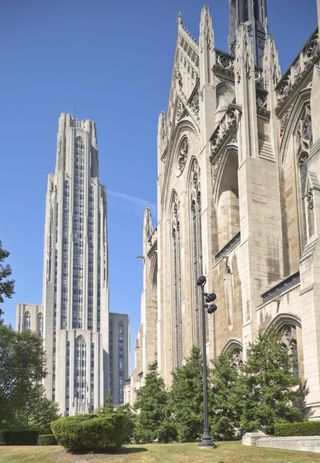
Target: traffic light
point(209, 298)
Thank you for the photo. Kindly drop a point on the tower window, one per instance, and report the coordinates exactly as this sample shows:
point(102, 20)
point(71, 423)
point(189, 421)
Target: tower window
point(26, 321)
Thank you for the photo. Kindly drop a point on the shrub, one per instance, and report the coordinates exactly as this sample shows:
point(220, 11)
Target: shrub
point(90, 433)
point(167, 432)
point(303, 428)
point(47, 439)
point(142, 436)
point(128, 422)
point(20, 437)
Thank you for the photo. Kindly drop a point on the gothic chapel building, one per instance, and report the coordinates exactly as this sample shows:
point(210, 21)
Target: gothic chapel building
point(238, 201)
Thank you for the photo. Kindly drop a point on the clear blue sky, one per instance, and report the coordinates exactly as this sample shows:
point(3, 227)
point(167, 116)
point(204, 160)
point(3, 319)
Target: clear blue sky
point(110, 61)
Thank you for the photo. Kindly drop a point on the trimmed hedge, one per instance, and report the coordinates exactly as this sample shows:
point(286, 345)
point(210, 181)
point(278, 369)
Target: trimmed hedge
point(20, 437)
point(303, 428)
point(90, 433)
point(47, 439)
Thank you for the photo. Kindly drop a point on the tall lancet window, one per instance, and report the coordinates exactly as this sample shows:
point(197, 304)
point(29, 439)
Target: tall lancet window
point(303, 142)
point(26, 321)
point(80, 387)
point(40, 324)
point(78, 207)
point(196, 246)
point(289, 342)
point(176, 289)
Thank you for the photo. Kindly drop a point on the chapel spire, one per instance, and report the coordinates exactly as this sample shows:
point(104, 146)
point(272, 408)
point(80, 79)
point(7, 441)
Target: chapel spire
point(252, 13)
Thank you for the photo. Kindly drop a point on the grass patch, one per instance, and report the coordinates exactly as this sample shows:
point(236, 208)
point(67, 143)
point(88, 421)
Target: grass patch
point(226, 452)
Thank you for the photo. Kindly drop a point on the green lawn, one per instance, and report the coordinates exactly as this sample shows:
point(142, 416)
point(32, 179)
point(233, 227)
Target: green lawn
point(226, 452)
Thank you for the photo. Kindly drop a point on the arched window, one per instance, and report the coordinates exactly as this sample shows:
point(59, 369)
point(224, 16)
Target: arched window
point(40, 324)
point(176, 273)
point(196, 245)
point(235, 348)
point(289, 342)
point(287, 325)
point(228, 218)
point(26, 321)
point(303, 144)
point(228, 294)
point(80, 374)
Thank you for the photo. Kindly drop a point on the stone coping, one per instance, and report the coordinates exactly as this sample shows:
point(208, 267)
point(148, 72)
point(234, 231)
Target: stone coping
point(300, 443)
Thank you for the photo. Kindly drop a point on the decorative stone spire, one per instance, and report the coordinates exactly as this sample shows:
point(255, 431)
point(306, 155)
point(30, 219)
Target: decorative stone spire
point(252, 13)
point(206, 42)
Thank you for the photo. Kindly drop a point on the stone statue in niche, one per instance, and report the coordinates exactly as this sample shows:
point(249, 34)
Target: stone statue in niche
point(182, 154)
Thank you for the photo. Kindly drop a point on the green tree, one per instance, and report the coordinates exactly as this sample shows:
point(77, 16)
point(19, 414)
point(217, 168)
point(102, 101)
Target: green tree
point(6, 285)
point(268, 389)
point(151, 407)
point(22, 366)
point(38, 412)
point(186, 398)
point(224, 408)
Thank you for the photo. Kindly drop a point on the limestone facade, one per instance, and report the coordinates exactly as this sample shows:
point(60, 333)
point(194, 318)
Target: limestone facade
point(30, 317)
point(238, 200)
point(75, 306)
point(118, 355)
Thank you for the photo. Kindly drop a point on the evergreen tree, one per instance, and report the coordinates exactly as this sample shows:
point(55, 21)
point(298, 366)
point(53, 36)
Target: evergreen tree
point(186, 398)
point(151, 405)
point(6, 286)
point(224, 408)
point(268, 389)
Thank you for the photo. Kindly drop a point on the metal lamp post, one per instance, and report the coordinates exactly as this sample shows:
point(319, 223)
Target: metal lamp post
point(206, 440)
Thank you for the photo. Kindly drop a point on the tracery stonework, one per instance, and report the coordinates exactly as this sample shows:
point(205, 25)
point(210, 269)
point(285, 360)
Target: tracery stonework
point(183, 154)
point(289, 342)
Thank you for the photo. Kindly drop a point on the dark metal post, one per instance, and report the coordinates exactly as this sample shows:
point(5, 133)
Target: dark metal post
point(206, 440)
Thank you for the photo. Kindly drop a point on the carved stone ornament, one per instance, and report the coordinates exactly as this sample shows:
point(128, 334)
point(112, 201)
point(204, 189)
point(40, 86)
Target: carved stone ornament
point(195, 182)
point(304, 134)
point(284, 121)
point(180, 110)
point(174, 216)
point(224, 128)
point(182, 154)
point(224, 63)
point(216, 165)
point(194, 104)
point(309, 198)
point(262, 102)
point(298, 69)
point(179, 78)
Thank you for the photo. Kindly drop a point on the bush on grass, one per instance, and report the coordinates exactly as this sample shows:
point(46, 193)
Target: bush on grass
point(47, 439)
point(20, 437)
point(91, 433)
point(303, 428)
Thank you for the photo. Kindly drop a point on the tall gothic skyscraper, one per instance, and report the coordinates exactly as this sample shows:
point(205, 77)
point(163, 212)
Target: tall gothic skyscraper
point(75, 278)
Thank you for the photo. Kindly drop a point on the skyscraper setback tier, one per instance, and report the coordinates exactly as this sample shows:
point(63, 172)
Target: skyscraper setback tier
point(75, 279)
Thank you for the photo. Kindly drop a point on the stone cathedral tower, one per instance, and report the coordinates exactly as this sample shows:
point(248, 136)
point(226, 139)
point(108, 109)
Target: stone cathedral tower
point(238, 199)
point(75, 278)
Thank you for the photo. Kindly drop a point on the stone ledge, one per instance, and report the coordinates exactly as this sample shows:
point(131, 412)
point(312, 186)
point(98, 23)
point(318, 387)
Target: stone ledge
point(301, 443)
